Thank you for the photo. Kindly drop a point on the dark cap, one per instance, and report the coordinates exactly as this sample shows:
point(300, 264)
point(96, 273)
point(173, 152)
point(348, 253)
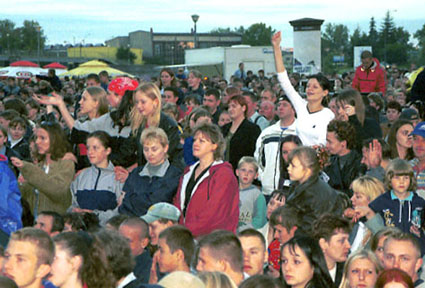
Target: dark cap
point(409, 114)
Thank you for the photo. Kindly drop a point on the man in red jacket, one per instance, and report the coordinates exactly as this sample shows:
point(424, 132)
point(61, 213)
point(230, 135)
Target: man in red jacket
point(369, 77)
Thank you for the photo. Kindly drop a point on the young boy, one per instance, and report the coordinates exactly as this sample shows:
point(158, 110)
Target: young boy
point(176, 248)
point(28, 257)
point(400, 206)
point(252, 204)
point(16, 141)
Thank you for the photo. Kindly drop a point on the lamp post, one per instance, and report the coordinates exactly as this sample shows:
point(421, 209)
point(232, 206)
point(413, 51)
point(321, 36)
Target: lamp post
point(38, 28)
point(8, 47)
point(195, 18)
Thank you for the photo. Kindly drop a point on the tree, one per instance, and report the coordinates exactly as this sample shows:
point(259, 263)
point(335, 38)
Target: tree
point(126, 54)
point(29, 34)
point(386, 35)
point(335, 42)
point(257, 35)
point(420, 36)
point(7, 35)
point(21, 38)
point(220, 30)
point(373, 35)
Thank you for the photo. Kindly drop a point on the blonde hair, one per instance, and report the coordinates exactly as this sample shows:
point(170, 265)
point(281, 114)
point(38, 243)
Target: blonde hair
point(362, 254)
point(151, 91)
point(368, 186)
point(154, 133)
point(216, 280)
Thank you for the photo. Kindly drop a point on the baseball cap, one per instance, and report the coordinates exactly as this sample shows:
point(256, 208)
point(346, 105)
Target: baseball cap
point(409, 114)
point(419, 129)
point(161, 210)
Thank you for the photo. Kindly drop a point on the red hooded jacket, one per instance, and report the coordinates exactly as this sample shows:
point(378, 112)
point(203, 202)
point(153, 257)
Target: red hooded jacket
point(370, 80)
point(214, 203)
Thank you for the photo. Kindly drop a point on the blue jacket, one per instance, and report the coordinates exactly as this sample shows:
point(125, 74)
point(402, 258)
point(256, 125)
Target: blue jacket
point(143, 190)
point(96, 189)
point(401, 214)
point(10, 199)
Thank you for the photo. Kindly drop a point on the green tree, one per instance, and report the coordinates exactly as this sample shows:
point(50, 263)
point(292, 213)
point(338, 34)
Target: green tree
point(420, 37)
point(8, 36)
point(335, 42)
point(358, 38)
point(220, 30)
point(257, 34)
point(386, 36)
point(29, 34)
point(126, 54)
point(21, 38)
point(373, 35)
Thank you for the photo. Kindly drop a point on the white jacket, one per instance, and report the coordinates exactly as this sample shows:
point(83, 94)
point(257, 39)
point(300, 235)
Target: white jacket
point(268, 155)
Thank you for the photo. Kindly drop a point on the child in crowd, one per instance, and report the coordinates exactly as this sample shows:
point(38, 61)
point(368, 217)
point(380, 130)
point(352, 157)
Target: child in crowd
point(252, 203)
point(400, 206)
point(95, 189)
point(16, 140)
point(277, 199)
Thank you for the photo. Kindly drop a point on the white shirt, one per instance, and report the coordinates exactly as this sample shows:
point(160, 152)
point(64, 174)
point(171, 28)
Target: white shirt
point(311, 127)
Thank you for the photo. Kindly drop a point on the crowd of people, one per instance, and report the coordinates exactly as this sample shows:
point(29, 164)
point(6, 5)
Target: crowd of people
point(186, 181)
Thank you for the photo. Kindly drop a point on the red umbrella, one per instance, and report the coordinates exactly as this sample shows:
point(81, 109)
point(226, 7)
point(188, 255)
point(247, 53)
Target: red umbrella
point(54, 65)
point(24, 63)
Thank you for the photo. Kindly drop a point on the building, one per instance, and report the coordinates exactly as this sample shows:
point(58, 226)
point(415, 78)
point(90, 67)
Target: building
point(168, 48)
point(107, 53)
point(307, 45)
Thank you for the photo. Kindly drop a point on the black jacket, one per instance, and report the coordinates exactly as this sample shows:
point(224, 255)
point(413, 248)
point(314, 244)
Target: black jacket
point(369, 129)
point(312, 199)
point(340, 178)
point(242, 142)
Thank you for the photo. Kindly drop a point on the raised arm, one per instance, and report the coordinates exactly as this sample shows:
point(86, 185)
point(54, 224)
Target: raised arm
point(57, 100)
point(278, 60)
point(297, 102)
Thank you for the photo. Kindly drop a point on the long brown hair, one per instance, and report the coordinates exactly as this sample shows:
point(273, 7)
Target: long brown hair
point(59, 144)
point(353, 98)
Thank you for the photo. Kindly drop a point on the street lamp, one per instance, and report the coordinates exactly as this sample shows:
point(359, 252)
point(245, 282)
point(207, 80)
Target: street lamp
point(38, 28)
point(195, 18)
point(8, 47)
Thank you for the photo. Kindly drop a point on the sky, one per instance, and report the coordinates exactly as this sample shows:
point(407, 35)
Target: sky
point(92, 21)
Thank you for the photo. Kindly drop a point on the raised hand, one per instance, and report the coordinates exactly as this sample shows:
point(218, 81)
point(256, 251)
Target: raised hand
point(276, 39)
point(55, 99)
point(375, 154)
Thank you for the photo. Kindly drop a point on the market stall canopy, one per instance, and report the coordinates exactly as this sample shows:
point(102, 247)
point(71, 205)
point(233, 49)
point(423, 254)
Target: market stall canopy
point(54, 65)
point(94, 66)
point(24, 63)
point(22, 70)
point(59, 68)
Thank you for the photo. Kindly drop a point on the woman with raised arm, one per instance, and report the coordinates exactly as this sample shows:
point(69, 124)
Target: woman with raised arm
point(115, 123)
point(313, 117)
point(46, 186)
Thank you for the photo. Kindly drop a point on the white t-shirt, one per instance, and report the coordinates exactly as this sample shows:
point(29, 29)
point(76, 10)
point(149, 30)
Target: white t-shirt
point(311, 127)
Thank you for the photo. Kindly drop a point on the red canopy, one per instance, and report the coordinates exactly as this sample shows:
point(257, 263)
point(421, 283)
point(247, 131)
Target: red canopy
point(54, 65)
point(24, 64)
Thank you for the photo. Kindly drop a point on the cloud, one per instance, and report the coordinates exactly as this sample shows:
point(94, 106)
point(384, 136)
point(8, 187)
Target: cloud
point(63, 20)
